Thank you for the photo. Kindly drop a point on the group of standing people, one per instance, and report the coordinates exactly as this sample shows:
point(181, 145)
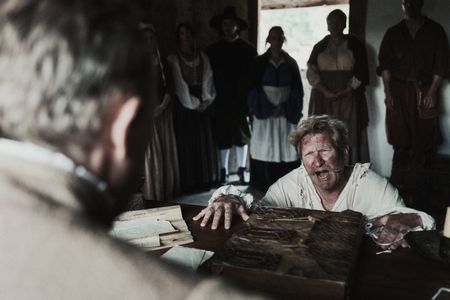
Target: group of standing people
point(182, 154)
point(209, 111)
point(227, 96)
point(413, 60)
point(216, 96)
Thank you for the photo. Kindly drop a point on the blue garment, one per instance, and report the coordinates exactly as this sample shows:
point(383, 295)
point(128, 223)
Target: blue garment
point(266, 74)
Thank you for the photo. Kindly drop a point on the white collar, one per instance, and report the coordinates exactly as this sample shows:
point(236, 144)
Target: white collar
point(277, 64)
point(232, 40)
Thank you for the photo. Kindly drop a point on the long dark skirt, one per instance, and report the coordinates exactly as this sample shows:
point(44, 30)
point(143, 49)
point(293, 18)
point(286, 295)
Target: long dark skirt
point(348, 109)
point(162, 178)
point(263, 174)
point(197, 150)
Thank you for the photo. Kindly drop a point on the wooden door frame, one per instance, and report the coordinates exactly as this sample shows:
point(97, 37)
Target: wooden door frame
point(358, 18)
point(253, 18)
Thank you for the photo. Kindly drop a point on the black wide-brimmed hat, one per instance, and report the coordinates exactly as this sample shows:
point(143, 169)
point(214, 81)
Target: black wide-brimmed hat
point(229, 12)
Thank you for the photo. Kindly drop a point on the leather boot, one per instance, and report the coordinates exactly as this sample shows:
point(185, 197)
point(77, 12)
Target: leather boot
point(223, 177)
point(241, 174)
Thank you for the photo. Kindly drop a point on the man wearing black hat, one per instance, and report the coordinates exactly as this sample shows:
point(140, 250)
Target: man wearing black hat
point(230, 59)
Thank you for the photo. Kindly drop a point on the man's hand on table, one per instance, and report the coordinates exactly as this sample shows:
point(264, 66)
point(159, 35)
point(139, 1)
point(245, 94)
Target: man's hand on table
point(222, 208)
point(393, 229)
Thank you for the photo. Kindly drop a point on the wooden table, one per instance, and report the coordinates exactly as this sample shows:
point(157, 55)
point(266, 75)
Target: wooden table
point(402, 274)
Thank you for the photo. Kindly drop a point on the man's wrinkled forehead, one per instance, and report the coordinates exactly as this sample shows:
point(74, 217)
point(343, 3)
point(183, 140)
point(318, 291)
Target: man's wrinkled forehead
point(323, 138)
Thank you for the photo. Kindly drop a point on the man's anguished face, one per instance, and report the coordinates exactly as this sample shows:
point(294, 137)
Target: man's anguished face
point(322, 162)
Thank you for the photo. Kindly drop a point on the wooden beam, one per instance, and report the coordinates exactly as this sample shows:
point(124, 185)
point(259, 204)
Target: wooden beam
point(253, 21)
point(279, 4)
point(358, 17)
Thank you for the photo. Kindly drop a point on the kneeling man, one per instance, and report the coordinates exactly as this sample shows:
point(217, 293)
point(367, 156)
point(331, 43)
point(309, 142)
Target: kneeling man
point(325, 182)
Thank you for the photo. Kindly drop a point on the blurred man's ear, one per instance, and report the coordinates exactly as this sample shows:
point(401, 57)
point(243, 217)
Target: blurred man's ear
point(121, 126)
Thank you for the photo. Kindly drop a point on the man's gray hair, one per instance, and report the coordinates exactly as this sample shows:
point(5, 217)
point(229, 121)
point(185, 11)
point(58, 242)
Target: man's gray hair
point(62, 62)
point(336, 129)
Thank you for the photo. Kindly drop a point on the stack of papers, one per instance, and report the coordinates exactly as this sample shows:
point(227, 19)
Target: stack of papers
point(152, 229)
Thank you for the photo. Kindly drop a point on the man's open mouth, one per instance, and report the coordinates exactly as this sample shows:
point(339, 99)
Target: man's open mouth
point(322, 174)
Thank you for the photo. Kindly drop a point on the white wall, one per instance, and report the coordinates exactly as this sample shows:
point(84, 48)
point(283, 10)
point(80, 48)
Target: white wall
point(382, 14)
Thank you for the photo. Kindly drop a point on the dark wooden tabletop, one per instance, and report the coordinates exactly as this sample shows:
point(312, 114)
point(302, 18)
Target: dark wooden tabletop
point(402, 274)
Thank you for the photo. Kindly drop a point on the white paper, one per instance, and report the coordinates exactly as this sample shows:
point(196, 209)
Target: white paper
point(147, 242)
point(140, 228)
point(190, 258)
